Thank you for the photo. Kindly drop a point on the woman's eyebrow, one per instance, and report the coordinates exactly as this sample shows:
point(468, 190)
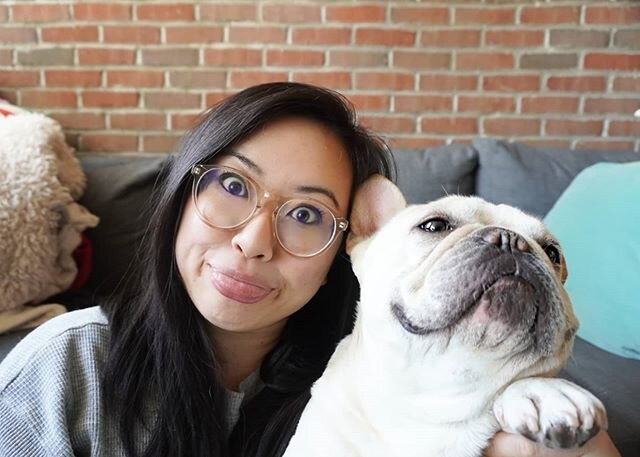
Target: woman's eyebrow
point(247, 161)
point(319, 190)
point(304, 189)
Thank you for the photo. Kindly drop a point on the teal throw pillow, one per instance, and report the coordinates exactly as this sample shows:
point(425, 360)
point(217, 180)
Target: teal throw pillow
point(597, 220)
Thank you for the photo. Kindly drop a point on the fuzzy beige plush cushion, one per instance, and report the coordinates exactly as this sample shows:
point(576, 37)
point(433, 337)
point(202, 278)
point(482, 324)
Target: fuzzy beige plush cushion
point(40, 221)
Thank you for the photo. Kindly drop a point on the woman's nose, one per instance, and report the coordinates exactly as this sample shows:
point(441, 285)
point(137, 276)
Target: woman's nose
point(255, 239)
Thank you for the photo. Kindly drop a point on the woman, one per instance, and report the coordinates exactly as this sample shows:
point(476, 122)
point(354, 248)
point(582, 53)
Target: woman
point(242, 291)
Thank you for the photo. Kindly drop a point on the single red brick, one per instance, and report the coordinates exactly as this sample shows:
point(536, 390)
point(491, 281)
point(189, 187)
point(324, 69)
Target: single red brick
point(108, 142)
point(355, 14)
point(80, 121)
point(159, 143)
point(291, 58)
point(233, 57)
point(194, 34)
point(140, 34)
point(422, 103)
point(605, 144)
point(449, 125)
point(370, 102)
point(541, 104)
point(165, 12)
point(576, 83)
point(385, 81)
point(422, 60)
point(97, 56)
point(135, 78)
point(324, 35)
point(625, 83)
point(421, 14)
point(480, 104)
point(72, 78)
point(389, 124)
point(85, 33)
point(170, 57)
point(511, 83)
point(352, 58)
point(138, 121)
point(609, 61)
point(624, 106)
point(39, 12)
point(229, 12)
point(385, 37)
point(550, 15)
point(624, 128)
point(184, 121)
point(447, 82)
point(573, 127)
point(101, 11)
point(331, 79)
point(484, 15)
point(446, 38)
point(514, 38)
point(510, 126)
point(197, 78)
point(171, 100)
point(291, 13)
point(484, 60)
point(109, 99)
point(19, 78)
point(257, 35)
point(9, 35)
point(242, 79)
point(49, 98)
point(612, 14)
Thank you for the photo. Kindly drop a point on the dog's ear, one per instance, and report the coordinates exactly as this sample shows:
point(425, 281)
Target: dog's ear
point(376, 201)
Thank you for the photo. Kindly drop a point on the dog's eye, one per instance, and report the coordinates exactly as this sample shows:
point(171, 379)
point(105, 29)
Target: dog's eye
point(435, 225)
point(553, 253)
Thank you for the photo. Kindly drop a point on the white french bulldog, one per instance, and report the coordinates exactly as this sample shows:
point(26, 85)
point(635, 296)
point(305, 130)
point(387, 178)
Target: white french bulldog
point(462, 319)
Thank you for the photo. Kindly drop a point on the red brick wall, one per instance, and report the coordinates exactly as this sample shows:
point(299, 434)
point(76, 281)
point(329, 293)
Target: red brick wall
point(131, 76)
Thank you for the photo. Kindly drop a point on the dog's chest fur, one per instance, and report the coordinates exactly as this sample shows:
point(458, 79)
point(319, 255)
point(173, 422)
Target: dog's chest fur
point(354, 414)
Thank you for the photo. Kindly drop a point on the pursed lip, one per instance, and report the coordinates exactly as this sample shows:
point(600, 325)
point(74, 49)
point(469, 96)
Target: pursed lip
point(238, 286)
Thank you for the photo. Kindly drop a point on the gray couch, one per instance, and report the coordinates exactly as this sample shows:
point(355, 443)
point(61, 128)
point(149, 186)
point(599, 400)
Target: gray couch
point(529, 178)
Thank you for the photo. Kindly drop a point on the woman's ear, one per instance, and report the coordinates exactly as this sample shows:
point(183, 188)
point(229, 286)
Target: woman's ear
point(376, 201)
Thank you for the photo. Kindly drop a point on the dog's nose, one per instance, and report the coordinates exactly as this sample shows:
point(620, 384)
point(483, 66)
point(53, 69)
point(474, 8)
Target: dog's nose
point(506, 240)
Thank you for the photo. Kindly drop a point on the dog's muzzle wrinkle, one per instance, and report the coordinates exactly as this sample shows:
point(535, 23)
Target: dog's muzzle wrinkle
point(405, 322)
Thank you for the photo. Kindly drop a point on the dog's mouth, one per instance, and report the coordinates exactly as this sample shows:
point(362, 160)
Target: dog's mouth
point(490, 299)
point(510, 300)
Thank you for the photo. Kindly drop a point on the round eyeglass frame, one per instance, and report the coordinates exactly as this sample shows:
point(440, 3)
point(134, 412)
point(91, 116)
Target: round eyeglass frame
point(199, 170)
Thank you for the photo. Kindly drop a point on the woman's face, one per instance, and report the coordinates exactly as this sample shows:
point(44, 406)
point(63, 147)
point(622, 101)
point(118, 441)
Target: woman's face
point(242, 280)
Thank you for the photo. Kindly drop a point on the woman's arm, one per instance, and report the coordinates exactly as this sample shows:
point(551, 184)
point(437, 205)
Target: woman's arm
point(512, 445)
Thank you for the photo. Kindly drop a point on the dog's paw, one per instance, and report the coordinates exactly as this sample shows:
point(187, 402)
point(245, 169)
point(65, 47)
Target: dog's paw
point(553, 412)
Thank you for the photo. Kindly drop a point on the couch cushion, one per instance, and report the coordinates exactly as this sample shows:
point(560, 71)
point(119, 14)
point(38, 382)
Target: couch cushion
point(431, 173)
point(597, 220)
point(532, 178)
point(614, 380)
point(118, 191)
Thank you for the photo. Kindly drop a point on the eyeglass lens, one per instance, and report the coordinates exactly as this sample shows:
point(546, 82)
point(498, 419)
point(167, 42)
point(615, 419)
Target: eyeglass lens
point(226, 199)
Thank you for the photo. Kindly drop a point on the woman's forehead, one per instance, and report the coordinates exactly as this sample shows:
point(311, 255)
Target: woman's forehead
point(292, 153)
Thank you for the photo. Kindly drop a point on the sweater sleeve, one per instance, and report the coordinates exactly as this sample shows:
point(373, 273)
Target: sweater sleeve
point(19, 438)
point(50, 399)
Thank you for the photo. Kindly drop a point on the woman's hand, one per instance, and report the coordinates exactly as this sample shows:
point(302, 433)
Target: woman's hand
point(512, 445)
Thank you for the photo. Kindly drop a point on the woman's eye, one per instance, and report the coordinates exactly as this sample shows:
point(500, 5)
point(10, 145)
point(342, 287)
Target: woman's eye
point(233, 184)
point(553, 253)
point(307, 215)
point(435, 225)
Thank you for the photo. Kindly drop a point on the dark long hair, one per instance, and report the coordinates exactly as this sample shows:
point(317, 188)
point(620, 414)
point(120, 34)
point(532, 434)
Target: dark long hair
point(162, 373)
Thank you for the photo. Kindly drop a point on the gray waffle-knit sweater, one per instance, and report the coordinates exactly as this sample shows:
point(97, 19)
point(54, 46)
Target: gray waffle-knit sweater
point(50, 392)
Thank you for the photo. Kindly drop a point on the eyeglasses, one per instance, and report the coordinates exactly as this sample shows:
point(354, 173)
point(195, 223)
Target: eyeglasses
point(226, 199)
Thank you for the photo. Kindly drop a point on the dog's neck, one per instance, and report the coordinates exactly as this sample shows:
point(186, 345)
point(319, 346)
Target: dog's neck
point(450, 386)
